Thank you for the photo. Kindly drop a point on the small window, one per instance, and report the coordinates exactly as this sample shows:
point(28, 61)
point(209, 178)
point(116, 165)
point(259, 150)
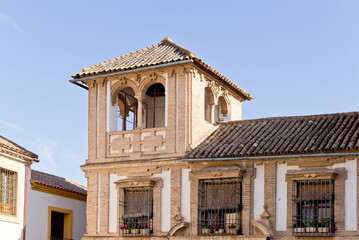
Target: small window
point(219, 206)
point(8, 180)
point(136, 211)
point(313, 207)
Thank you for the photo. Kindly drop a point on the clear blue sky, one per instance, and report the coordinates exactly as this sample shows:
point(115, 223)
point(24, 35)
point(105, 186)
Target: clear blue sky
point(294, 57)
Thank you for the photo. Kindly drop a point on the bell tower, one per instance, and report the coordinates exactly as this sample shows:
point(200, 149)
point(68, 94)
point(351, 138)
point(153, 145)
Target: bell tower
point(146, 110)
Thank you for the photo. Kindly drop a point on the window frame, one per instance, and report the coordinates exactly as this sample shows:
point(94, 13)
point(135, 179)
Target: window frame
point(213, 187)
point(156, 185)
point(8, 192)
point(310, 176)
point(227, 171)
point(145, 202)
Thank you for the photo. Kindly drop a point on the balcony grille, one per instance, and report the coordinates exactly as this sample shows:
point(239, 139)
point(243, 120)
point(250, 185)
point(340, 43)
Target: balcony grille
point(136, 211)
point(313, 207)
point(219, 206)
point(8, 183)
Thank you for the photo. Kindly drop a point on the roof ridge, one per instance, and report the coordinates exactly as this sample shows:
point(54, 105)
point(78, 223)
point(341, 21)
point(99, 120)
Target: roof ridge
point(167, 40)
point(289, 117)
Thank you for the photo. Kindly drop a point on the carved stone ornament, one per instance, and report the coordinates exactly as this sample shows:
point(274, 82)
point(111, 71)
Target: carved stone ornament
point(265, 215)
point(178, 217)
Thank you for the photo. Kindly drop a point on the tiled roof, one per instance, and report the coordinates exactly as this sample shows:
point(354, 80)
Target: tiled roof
point(282, 135)
point(10, 145)
point(164, 52)
point(57, 182)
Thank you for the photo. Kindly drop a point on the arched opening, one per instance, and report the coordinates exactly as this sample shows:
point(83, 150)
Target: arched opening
point(154, 102)
point(209, 105)
point(127, 110)
point(222, 108)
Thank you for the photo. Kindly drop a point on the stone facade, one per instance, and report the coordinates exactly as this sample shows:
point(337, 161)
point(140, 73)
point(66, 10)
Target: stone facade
point(156, 157)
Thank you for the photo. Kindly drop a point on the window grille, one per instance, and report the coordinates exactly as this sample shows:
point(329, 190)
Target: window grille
point(219, 206)
point(136, 211)
point(8, 180)
point(313, 207)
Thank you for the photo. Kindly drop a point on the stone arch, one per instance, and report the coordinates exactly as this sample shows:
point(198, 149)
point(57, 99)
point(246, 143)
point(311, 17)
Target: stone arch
point(148, 81)
point(262, 227)
point(223, 102)
point(177, 229)
point(118, 86)
point(210, 96)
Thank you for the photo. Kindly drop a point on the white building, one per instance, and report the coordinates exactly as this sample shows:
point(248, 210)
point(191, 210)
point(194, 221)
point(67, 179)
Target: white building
point(41, 207)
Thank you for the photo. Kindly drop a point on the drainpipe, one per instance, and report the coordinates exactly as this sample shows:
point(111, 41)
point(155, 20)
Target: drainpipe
point(273, 157)
point(25, 201)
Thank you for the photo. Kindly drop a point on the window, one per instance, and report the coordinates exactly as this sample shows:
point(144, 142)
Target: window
point(59, 225)
point(136, 211)
point(219, 206)
point(313, 207)
point(8, 180)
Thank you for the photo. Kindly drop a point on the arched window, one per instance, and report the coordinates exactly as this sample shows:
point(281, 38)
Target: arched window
point(127, 109)
point(209, 105)
point(222, 108)
point(153, 113)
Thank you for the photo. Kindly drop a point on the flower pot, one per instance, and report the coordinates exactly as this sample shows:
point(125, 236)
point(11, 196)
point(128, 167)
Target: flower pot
point(125, 231)
point(220, 231)
point(206, 230)
point(231, 231)
point(145, 231)
point(299, 230)
point(135, 231)
point(323, 229)
point(310, 229)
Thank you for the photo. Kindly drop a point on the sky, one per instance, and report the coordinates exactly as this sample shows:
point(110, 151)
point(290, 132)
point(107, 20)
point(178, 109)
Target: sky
point(294, 57)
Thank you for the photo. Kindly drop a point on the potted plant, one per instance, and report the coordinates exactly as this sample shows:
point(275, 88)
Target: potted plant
point(125, 229)
point(218, 229)
point(221, 229)
point(231, 229)
point(134, 228)
point(311, 226)
point(145, 229)
point(324, 225)
point(206, 229)
point(298, 227)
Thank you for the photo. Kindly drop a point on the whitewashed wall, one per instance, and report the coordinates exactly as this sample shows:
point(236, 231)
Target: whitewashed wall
point(37, 214)
point(13, 229)
point(185, 194)
point(350, 202)
point(258, 192)
point(165, 200)
point(281, 196)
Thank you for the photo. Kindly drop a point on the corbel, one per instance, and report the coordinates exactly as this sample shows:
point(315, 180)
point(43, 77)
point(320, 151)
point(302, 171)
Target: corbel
point(90, 83)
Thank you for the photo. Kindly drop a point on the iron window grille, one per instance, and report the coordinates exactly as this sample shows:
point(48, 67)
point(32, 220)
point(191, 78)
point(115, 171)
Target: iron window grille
point(313, 207)
point(219, 206)
point(136, 211)
point(8, 180)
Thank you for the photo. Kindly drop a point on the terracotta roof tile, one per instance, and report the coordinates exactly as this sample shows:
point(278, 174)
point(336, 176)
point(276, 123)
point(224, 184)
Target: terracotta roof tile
point(57, 182)
point(164, 52)
point(282, 135)
point(10, 145)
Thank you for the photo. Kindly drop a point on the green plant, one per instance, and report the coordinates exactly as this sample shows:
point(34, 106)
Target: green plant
point(312, 223)
point(145, 226)
point(298, 225)
point(230, 226)
point(207, 226)
point(324, 222)
point(125, 226)
point(134, 226)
